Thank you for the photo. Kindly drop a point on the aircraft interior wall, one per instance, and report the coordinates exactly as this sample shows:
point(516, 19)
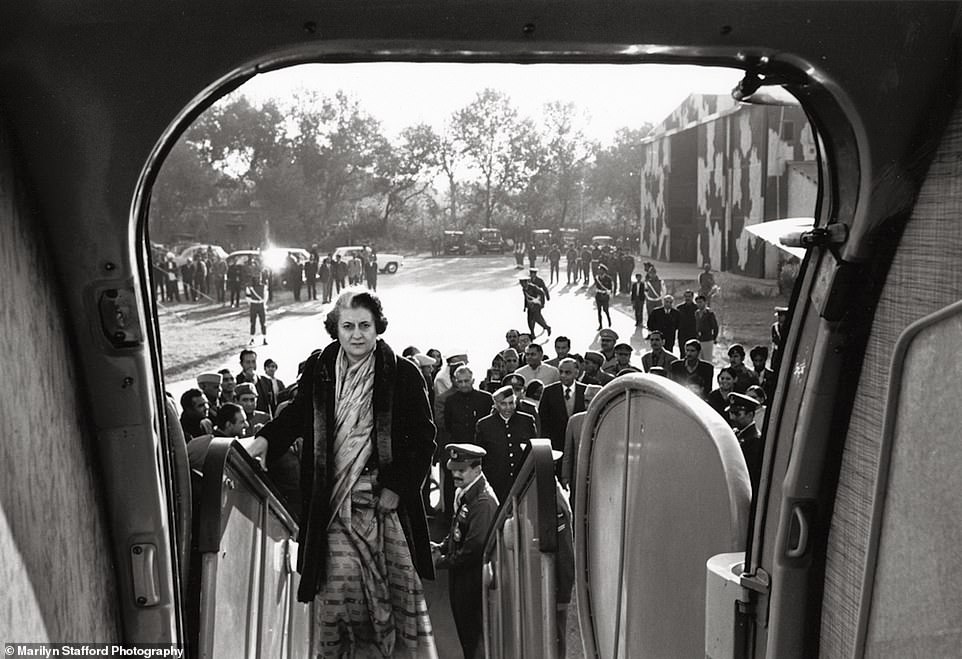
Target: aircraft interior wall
point(56, 565)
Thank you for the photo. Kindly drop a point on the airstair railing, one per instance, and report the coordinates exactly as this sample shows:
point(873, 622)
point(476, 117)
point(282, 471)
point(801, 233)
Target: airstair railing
point(247, 541)
point(519, 564)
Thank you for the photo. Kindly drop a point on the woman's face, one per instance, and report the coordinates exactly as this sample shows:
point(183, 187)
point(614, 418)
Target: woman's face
point(356, 332)
point(725, 381)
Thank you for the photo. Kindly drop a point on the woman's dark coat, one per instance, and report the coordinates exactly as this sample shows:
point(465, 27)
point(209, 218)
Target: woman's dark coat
point(404, 445)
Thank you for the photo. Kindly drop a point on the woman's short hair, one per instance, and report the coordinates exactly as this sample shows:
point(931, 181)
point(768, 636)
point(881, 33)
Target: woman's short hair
point(356, 299)
point(728, 370)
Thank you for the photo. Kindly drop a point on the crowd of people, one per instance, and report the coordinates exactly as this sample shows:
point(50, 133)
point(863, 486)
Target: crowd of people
point(475, 423)
point(207, 277)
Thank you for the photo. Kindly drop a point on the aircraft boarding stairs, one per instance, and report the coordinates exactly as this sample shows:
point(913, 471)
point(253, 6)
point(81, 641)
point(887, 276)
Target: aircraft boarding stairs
point(661, 489)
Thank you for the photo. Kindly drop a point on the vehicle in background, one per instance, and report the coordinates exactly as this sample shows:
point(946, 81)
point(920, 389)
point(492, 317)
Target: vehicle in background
point(490, 240)
point(541, 238)
point(386, 261)
point(188, 253)
point(602, 241)
point(453, 242)
point(568, 237)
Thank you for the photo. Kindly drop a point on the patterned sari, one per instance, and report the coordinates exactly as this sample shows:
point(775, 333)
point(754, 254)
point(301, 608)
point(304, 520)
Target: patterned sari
point(372, 603)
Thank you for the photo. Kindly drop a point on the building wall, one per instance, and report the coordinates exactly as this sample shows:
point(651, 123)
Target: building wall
point(745, 174)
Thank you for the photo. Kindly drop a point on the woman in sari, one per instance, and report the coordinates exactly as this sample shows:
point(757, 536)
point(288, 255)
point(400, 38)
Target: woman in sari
point(368, 444)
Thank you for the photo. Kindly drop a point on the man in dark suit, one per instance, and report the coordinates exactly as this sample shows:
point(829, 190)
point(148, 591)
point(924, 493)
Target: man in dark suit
point(266, 402)
point(665, 319)
point(687, 327)
point(559, 401)
point(506, 436)
point(518, 383)
point(463, 408)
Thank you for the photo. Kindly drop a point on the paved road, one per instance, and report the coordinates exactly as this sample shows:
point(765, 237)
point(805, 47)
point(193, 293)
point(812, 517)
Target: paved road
point(452, 304)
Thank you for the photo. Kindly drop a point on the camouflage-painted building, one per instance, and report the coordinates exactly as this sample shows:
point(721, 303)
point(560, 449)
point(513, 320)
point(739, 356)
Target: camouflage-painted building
point(714, 166)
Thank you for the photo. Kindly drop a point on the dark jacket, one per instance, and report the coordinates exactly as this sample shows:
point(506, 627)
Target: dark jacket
point(686, 322)
point(665, 321)
point(462, 413)
point(507, 445)
point(753, 449)
point(701, 379)
point(463, 548)
point(706, 326)
point(404, 444)
point(554, 414)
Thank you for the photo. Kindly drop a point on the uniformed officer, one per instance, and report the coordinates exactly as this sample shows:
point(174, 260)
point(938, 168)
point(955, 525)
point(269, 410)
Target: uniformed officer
point(593, 374)
point(462, 551)
point(506, 435)
point(518, 383)
point(608, 338)
point(741, 412)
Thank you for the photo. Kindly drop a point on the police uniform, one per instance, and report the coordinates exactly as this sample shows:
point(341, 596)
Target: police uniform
point(462, 551)
point(600, 378)
point(753, 448)
point(506, 443)
point(610, 359)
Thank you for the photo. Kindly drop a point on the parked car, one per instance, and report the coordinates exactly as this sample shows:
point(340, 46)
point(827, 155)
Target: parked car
point(386, 262)
point(569, 237)
point(188, 253)
point(454, 242)
point(490, 240)
point(601, 241)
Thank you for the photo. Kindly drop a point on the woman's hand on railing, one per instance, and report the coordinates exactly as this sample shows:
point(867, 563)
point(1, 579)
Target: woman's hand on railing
point(256, 447)
point(388, 501)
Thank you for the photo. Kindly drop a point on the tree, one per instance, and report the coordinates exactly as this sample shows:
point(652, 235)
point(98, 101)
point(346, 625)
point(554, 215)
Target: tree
point(486, 128)
point(405, 171)
point(614, 179)
point(568, 151)
point(335, 147)
point(186, 181)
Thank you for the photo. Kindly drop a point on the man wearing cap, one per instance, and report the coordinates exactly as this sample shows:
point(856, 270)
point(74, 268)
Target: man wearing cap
point(657, 356)
point(262, 385)
point(604, 286)
point(622, 359)
point(462, 550)
point(535, 368)
point(518, 384)
point(665, 320)
point(539, 282)
point(534, 300)
point(687, 328)
point(741, 413)
point(593, 374)
point(462, 411)
point(608, 338)
point(693, 372)
point(247, 398)
point(560, 401)
point(505, 434)
point(209, 383)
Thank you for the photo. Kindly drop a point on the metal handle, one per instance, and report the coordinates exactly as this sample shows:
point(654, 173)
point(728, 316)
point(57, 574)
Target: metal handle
point(798, 516)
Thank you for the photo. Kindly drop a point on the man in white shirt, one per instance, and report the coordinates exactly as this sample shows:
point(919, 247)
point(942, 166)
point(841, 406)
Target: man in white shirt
point(536, 369)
